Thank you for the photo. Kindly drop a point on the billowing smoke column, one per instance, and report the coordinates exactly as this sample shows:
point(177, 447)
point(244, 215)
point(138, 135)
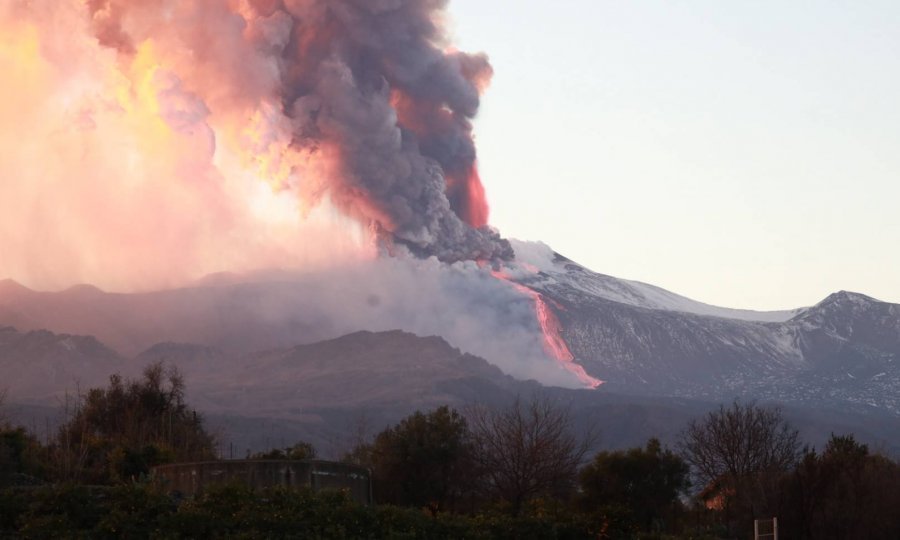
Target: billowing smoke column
point(365, 89)
point(147, 143)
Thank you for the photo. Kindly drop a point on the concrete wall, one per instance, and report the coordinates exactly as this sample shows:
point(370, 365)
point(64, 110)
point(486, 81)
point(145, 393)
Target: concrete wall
point(189, 479)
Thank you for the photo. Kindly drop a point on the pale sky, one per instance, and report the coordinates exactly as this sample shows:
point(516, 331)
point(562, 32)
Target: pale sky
point(744, 154)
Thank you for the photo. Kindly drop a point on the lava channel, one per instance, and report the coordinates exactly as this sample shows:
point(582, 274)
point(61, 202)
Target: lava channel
point(554, 344)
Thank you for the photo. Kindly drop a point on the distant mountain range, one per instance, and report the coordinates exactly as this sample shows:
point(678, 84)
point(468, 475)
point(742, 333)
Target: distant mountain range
point(266, 380)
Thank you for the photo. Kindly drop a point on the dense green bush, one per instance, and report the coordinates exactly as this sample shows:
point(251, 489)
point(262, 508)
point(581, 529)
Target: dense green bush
point(22, 457)
point(141, 511)
point(424, 461)
point(643, 485)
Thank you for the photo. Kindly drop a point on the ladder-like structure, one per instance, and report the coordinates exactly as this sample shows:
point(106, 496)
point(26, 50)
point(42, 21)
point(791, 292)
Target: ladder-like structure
point(765, 529)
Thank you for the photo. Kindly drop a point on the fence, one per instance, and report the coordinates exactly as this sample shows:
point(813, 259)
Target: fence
point(188, 479)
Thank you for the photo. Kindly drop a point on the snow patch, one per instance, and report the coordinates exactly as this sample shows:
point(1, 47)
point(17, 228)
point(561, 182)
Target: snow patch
point(635, 293)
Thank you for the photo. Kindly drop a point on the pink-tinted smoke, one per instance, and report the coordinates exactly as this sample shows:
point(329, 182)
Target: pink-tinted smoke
point(145, 142)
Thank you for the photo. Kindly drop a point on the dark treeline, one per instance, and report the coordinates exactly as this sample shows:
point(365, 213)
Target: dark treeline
point(747, 463)
point(112, 435)
point(520, 471)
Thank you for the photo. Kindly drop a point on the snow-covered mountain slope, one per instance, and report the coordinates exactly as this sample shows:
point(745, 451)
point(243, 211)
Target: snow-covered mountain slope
point(564, 276)
point(843, 351)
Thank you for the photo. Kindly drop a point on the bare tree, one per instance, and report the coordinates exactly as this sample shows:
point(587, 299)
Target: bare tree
point(739, 441)
point(738, 452)
point(527, 450)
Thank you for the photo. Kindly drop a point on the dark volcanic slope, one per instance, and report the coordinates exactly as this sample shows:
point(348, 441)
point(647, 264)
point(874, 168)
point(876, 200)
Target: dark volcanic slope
point(382, 369)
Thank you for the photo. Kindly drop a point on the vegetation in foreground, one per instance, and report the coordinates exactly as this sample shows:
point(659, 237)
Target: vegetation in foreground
point(516, 472)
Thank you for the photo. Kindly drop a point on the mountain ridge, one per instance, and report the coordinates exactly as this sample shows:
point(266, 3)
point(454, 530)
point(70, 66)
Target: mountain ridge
point(327, 391)
point(845, 349)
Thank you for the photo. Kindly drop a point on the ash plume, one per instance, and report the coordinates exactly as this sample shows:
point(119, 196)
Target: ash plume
point(146, 143)
point(365, 87)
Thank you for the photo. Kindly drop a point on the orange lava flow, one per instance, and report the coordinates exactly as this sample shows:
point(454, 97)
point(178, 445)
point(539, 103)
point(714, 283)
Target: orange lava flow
point(554, 344)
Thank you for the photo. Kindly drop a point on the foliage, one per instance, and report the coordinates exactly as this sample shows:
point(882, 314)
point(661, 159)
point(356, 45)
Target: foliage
point(138, 511)
point(526, 451)
point(22, 458)
point(133, 511)
point(298, 452)
point(59, 510)
point(228, 510)
point(12, 505)
point(644, 483)
point(516, 468)
point(846, 492)
point(424, 461)
point(118, 432)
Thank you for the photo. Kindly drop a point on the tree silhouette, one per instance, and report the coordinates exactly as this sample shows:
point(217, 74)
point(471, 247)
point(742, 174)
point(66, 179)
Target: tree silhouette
point(739, 453)
point(527, 450)
point(297, 452)
point(425, 460)
point(646, 481)
point(118, 432)
point(844, 492)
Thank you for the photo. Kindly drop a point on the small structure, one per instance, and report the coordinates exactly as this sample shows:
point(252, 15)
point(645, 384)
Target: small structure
point(716, 493)
point(765, 528)
point(189, 479)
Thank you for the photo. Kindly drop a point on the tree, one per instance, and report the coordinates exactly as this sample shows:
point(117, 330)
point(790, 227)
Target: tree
point(423, 461)
point(120, 431)
point(741, 451)
point(646, 481)
point(739, 441)
point(844, 492)
point(22, 457)
point(298, 452)
point(527, 450)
